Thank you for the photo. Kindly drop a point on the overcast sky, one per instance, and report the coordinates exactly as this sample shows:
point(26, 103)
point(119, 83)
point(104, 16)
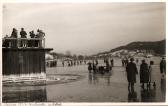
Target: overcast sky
point(88, 28)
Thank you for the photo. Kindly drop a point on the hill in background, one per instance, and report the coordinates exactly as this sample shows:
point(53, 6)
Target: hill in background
point(159, 47)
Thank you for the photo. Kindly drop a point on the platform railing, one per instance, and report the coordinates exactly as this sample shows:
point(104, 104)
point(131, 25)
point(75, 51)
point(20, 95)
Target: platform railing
point(23, 43)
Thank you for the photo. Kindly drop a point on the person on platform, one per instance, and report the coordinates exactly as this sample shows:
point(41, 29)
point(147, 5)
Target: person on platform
point(40, 34)
point(23, 35)
point(5, 42)
point(144, 73)
point(14, 35)
point(32, 42)
point(163, 67)
point(131, 70)
point(151, 74)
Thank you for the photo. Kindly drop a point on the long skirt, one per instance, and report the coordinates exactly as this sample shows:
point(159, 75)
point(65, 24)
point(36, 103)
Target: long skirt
point(151, 76)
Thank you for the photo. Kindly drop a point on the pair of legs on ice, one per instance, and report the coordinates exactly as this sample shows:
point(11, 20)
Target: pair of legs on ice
point(148, 84)
point(131, 85)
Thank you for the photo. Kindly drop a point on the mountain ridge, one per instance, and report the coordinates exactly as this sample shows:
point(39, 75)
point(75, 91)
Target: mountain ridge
point(159, 47)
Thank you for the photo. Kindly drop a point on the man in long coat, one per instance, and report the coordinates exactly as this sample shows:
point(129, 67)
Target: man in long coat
point(131, 70)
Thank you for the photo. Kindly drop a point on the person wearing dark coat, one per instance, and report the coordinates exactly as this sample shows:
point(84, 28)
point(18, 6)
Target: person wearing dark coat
point(32, 42)
point(163, 66)
point(5, 42)
point(107, 67)
point(131, 70)
point(23, 35)
point(96, 62)
point(14, 35)
point(112, 62)
point(144, 73)
point(126, 61)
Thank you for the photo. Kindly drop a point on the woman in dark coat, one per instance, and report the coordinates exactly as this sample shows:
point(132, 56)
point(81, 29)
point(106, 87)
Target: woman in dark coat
point(131, 70)
point(144, 73)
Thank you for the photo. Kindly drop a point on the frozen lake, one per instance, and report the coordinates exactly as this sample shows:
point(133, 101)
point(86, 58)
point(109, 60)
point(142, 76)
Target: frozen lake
point(110, 87)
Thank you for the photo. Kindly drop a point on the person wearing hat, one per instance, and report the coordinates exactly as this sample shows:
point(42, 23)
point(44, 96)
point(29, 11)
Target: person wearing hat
point(131, 70)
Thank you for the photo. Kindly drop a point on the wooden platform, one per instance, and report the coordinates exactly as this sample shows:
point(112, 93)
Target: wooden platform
point(18, 61)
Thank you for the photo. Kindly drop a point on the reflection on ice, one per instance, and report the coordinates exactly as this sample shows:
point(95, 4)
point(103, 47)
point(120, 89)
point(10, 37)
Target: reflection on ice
point(34, 95)
point(95, 77)
point(132, 96)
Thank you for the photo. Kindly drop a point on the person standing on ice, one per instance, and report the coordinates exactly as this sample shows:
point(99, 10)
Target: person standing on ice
point(131, 70)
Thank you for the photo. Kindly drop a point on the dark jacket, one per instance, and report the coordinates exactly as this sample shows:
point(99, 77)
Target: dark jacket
point(23, 34)
point(14, 34)
point(162, 66)
point(32, 35)
point(144, 73)
point(131, 70)
point(89, 66)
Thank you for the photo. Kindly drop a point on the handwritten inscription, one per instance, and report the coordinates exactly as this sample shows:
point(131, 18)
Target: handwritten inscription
point(32, 104)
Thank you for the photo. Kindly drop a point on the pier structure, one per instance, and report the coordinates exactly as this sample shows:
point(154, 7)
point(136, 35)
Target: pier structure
point(24, 63)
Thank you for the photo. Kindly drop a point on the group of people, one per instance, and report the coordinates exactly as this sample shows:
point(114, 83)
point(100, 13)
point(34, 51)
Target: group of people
point(8, 42)
point(93, 66)
point(146, 73)
point(125, 62)
point(51, 63)
point(73, 62)
point(69, 63)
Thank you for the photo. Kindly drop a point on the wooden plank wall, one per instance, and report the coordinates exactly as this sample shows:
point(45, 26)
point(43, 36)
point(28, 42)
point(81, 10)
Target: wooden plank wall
point(23, 61)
